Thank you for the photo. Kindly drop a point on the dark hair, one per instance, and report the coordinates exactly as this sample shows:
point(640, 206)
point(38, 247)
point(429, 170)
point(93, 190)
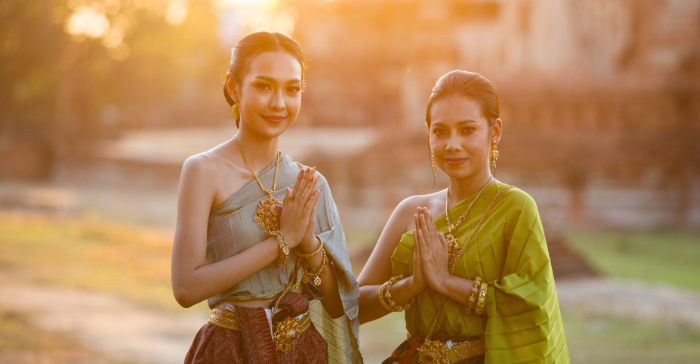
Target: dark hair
point(252, 45)
point(468, 84)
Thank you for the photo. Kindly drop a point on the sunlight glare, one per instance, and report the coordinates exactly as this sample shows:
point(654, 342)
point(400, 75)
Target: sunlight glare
point(88, 21)
point(177, 12)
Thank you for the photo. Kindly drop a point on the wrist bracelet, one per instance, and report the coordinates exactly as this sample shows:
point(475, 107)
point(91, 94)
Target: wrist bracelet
point(482, 299)
point(380, 295)
point(472, 298)
point(311, 255)
point(390, 300)
point(312, 273)
point(284, 249)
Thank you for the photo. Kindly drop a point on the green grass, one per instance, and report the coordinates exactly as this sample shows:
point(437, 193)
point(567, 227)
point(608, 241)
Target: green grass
point(90, 255)
point(607, 339)
point(659, 257)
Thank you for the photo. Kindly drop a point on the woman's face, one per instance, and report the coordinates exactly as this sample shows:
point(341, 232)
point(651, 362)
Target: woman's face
point(460, 136)
point(269, 96)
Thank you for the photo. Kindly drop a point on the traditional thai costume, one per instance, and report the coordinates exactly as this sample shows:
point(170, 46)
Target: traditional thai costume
point(522, 322)
point(303, 331)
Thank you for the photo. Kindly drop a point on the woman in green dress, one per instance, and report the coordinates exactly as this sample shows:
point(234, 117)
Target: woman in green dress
point(476, 282)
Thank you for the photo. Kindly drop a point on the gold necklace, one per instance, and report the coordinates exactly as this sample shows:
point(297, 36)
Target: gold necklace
point(266, 216)
point(452, 245)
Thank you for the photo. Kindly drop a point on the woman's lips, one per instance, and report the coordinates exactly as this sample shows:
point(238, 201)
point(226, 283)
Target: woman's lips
point(274, 119)
point(455, 161)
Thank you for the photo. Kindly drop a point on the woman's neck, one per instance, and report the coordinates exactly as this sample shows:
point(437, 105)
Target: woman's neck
point(259, 150)
point(462, 188)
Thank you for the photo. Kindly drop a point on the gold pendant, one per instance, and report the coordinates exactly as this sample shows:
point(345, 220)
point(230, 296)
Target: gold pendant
point(317, 281)
point(452, 248)
point(304, 277)
point(266, 216)
point(433, 352)
point(286, 334)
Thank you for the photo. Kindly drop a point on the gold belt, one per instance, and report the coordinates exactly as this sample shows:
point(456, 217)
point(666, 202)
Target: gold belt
point(438, 352)
point(286, 332)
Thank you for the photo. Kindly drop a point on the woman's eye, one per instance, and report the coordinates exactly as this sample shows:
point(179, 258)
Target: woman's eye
point(263, 86)
point(468, 130)
point(439, 132)
point(293, 90)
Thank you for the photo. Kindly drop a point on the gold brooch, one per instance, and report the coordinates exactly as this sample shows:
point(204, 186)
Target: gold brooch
point(286, 334)
point(266, 216)
point(433, 352)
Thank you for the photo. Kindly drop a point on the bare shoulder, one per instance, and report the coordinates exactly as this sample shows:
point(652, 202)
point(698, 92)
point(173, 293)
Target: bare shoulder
point(200, 165)
point(434, 202)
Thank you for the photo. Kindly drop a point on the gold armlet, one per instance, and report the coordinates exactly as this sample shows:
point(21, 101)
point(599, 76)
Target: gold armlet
point(284, 249)
point(472, 298)
point(390, 300)
point(482, 299)
point(311, 255)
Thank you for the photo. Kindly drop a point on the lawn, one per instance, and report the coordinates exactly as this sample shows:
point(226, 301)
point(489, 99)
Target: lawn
point(659, 257)
point(612, 340)
point(91, 255)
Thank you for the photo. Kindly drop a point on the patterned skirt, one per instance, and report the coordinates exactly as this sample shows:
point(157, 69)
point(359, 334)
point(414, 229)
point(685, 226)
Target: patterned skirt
point(252, 341)
point(407, 352)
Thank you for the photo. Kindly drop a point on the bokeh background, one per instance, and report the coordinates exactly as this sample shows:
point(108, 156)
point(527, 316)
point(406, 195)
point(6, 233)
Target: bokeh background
point(102, 100)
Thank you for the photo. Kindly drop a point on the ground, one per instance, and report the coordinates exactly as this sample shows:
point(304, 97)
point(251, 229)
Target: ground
point(82, 289)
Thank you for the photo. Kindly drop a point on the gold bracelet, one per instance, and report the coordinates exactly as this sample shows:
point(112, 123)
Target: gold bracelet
point(312, 273)
point(390, 300)
point(380, 295)
point(311, 255)
point(283, 247)
point(482, 299)
point(472, 298)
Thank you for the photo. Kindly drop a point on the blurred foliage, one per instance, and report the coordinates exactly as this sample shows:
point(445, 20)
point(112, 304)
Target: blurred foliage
point(124, 55)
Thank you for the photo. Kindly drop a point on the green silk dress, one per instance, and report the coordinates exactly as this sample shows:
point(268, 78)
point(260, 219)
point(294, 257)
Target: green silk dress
point(522, 321)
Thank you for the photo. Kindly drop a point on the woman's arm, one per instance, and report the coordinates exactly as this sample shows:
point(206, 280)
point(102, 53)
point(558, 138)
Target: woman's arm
point(192, 280)
point(378, 268)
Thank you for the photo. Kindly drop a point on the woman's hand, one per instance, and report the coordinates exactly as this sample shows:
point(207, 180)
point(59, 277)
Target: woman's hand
point(417, 279)
point(309, 243)
point(294, 218)
point(433, 251)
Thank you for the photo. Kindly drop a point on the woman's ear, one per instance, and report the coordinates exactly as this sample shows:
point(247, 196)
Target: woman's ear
point(496, 130)
point(231, 87)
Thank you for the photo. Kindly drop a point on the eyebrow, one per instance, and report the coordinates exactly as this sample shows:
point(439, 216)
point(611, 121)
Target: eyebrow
point(468, 121)
point(272, 80)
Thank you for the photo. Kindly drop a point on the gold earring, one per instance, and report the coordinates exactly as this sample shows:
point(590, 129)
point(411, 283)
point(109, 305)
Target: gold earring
point(234, 112)
point(434, 165)
point(494, 157)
